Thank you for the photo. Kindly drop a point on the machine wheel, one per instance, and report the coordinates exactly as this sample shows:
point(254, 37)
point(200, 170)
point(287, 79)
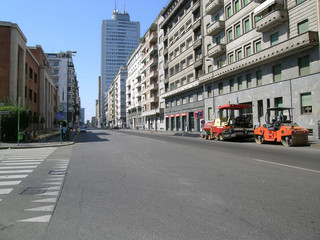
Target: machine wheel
point(286, 141)
point(259, 139)
point(221, 137)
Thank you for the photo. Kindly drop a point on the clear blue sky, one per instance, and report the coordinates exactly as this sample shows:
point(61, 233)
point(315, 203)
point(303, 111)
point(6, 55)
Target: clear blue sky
point(61, 25)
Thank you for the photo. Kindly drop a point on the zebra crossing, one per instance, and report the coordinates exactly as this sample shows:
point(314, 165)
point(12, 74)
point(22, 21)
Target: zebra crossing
point(17, 167)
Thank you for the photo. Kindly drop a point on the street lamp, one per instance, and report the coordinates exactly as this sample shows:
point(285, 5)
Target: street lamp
point(69, 55)
point(212, 88)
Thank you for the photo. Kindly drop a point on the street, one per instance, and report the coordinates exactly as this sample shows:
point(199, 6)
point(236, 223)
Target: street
point(129, 185)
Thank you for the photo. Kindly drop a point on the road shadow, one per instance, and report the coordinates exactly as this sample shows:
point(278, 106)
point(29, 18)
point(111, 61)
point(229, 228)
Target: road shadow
point(91, 137)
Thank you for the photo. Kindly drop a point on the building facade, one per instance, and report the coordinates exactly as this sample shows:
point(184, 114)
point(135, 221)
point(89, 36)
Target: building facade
point(115, 100)
point(133, 90)
point(119, 37)
point(65, 80)
point(265, 53)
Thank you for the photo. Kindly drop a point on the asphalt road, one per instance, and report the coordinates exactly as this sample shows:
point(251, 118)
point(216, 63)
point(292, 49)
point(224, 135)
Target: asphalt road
point(129, 185)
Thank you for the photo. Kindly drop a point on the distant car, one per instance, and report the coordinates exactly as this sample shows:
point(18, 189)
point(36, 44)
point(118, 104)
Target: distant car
point(83, 129)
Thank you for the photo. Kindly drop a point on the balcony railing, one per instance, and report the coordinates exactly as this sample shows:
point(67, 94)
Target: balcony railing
point(196, 24)
point(197, 43)
point(292, 46)
point(198, 63)
point(213, 6)
point(215, 28)
point(217, 50)
point(271, 20)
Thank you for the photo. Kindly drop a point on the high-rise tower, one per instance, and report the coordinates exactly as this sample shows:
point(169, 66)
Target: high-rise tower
point(119, 37)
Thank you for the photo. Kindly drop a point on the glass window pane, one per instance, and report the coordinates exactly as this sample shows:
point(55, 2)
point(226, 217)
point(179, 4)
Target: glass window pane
point(303, 26)
point(274, 39)
point(304, 66)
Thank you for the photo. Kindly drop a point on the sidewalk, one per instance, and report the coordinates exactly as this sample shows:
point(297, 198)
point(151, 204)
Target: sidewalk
point(51, 142)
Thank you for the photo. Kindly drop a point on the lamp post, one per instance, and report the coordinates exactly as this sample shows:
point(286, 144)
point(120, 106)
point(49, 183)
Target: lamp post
point(69, 64)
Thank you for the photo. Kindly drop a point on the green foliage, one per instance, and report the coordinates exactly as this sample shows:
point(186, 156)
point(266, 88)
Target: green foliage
point(9, 123)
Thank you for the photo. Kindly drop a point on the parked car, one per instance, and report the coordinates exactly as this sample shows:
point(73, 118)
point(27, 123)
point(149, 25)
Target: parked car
point(83, 129)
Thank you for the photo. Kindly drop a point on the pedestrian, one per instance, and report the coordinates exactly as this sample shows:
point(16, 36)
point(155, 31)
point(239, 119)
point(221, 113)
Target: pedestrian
point(64, 131)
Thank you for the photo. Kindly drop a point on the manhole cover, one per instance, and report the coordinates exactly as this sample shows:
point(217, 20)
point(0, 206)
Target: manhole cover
point(57, 172)
point(34, 190)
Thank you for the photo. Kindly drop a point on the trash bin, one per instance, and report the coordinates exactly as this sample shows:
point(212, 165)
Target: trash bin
point(20, 136)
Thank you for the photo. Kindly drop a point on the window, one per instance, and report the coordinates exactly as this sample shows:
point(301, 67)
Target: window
point(209, 46)
point(219, 63)
point(231, 85)
point(239, 54)
point(246, 25)
point(229, 12)
point(300, 1)
point(35, 78)
point(171, 86)
point(209, 91)
point(240, 83)
point(248, 50)
point(303, 26)
point(210, 69)
point(257, 46)
point(276, 70)
point(278, 102)
point(249, 80)
point(230, 35)
point(35, 97)
point(218, 40)
point(259, 77)
point(30, 94)
point(245, 2)
point(231, 58)
point(306, 103)
point(238, 31)
point(199, 96)
point(237, 5)
point(274, 39)
point(304, 66)
point(220, 87)
point(30, 73)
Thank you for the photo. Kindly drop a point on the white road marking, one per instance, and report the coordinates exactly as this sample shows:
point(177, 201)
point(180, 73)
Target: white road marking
point(18, 167)
point(16, 171)
point(47, 200)
point(285, 165)
point(13, 176)
point(9, 183)
point(41, 219)
point(19, 163)
point(53, 183)
point(48, 208)
point(5, 190)
point(54, 193)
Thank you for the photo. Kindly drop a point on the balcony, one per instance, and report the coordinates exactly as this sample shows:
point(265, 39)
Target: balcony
point(197, 43)
point(215, 28)
point(213, 6)
point(151, 87)
point(292, 46)
point(181, 89)
point(198, 63)
point(196, 24)
point(195, 6)
point(217, 50)
point(150, 100)
point(271, 20)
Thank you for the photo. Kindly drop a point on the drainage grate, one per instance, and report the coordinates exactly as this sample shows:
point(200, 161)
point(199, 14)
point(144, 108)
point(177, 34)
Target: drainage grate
point(57, 172)
point(34, 190)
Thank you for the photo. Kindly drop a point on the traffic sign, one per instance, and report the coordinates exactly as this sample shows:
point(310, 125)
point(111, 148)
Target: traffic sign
point(4, 112)
point(61, 116)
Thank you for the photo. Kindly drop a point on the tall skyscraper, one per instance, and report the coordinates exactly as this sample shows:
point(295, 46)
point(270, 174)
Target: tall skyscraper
point(119, 38)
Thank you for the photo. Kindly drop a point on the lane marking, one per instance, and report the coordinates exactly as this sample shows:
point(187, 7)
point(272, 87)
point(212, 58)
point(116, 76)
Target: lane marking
point(20, 163)
point(5, 190)
point(13, 176)
point(47, 200)
point(9, 183)
point(18, 167)
point(41, 219)
point(48, 208)
point(285, 165)
point(16, 171)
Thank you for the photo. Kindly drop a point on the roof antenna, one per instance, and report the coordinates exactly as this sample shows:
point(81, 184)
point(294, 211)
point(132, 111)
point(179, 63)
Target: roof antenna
point(124, 6)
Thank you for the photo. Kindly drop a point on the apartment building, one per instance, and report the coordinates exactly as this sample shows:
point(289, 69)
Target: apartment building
point(119, 37)
point(47, 90)
point(25, 75)
point(115, 100)
point(12, 63)
point(183, 64)
point(265, 53)
point(149, 78)
point(65, 80)
point(133, 91)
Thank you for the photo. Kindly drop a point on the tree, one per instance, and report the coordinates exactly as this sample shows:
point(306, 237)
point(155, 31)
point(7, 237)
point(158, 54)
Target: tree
point(9, 123)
